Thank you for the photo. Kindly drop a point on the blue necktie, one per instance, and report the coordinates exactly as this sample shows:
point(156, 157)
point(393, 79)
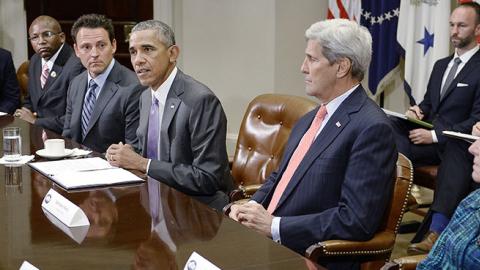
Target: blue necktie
point(153, 130)
point(88, 106)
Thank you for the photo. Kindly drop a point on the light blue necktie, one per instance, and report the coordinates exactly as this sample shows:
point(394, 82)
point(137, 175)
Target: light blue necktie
point(88, 106)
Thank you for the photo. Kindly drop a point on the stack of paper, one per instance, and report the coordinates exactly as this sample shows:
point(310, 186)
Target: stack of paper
point(83, 173)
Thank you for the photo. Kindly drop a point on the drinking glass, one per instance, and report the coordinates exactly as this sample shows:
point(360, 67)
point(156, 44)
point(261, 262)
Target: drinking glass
point(12, 144)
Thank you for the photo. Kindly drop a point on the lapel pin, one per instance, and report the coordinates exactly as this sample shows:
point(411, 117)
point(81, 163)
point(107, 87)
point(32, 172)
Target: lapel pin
point(53, 74)
point(172, 106)
point(338, 124)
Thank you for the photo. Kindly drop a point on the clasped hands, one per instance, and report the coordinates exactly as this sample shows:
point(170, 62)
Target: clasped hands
point(25, 114)
point(254, 216)
point(418, 135)
point(124, 156)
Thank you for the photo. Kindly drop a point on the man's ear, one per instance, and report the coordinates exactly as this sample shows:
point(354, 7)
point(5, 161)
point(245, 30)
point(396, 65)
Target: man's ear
point(344, 66)
point(174, 53)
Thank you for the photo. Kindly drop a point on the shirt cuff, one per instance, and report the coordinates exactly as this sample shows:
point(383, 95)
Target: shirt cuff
point(148, 166)
point(434, 136)
point(275, 229)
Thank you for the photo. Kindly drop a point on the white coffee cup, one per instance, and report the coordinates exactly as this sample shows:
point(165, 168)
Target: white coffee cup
point(55, 147)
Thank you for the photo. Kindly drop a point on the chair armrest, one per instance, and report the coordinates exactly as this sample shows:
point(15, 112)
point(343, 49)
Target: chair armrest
point(380, 244)
point(244, 192)
point(409, 262)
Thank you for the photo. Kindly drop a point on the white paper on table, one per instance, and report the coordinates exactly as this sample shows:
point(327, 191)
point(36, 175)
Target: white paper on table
point(78, 233)
point(63, 209)
point(83, 173)
point(197, 262)
point(27, 266)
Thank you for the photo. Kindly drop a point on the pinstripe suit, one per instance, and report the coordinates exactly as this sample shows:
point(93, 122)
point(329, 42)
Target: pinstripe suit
point(342, 186)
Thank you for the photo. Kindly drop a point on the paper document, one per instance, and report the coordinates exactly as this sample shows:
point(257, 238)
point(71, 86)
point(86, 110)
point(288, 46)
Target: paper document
point(83, 173)
point(412, 120)
point(458, 135)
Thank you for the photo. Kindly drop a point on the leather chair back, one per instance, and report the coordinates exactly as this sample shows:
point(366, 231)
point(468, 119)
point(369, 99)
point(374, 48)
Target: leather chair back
point(22, 78)
point(263, 134)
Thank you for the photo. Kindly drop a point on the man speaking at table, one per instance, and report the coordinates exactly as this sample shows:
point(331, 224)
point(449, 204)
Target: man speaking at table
point(336, 175)
point(182, 125)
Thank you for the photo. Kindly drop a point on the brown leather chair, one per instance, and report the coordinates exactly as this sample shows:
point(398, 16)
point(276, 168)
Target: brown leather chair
point(263, 134)
point(22, 78)
point(375, 252)
point(425, 176)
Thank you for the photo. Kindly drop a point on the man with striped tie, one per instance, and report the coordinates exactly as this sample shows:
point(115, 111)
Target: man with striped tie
point(336, 175)
point(50, 71)
point(102, 102)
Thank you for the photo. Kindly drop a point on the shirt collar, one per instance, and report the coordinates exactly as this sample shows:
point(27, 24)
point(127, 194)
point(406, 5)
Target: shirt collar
point(101, 78)
point(52, 59)
point(467, 55)
point(161, 92)
point(333, 105)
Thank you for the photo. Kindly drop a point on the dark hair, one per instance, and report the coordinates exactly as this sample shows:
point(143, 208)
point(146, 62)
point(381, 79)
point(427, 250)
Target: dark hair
point(476, 8)
point(93, 21)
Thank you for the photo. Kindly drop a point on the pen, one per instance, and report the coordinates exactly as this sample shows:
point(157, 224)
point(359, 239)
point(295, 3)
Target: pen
point(415, 112)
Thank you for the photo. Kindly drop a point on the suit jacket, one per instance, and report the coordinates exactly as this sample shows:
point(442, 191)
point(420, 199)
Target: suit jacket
point(343, 184)
point(115, 116)
point(49, 103)
point(193, 156)
point(9, 89)
point(459, 109)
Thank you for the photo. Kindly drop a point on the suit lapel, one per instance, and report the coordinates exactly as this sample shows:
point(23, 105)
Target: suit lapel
point(108, 91)
point(77, 106)
point(469, 66)
point(335, 125)
point(171, 107)
point(57, 67)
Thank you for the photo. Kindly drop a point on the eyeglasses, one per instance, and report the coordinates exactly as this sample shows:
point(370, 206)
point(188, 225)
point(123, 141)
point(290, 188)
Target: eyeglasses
point(44, 35)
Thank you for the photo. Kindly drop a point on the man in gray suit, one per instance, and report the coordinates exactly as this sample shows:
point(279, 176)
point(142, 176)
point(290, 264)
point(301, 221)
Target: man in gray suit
point(102, 102)
point(50, 71)
point(182, 123)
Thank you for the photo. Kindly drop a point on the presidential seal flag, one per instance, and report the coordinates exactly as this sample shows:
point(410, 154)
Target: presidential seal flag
point(423, 34)
point(381, 19)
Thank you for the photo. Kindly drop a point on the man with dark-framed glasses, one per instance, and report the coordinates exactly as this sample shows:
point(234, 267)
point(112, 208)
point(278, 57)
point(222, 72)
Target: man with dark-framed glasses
point(50, 71)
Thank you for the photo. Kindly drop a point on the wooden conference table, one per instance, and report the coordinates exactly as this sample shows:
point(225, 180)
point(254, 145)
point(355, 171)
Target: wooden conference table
point(122, 233)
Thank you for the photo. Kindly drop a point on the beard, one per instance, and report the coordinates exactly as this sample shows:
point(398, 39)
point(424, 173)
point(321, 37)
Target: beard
point(460, 43)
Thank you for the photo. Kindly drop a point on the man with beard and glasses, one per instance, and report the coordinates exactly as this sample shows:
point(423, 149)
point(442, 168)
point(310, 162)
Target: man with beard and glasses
point(452, 102)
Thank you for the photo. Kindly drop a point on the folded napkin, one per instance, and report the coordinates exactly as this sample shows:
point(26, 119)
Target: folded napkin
point(22, 160)
point(79, 152)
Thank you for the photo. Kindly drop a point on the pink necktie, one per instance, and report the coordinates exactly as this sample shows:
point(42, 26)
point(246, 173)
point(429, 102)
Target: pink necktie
point(297, 157)
point(44, 76)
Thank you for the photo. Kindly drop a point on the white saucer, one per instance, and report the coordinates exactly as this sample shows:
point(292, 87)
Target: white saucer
point(44, 154)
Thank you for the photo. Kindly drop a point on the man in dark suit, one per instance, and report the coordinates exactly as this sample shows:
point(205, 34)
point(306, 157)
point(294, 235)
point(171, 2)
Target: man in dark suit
point(182, 126)
point(451, 102)
point(9, 89)
point(50, 71)
point(102, 102)
point(336, 175)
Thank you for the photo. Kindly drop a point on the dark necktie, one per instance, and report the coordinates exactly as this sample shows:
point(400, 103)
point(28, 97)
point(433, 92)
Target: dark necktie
point(153, 130)
point(450, 76)
point(88, 106)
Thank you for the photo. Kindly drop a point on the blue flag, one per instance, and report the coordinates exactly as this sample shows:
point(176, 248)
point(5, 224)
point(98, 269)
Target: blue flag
point(381, 19)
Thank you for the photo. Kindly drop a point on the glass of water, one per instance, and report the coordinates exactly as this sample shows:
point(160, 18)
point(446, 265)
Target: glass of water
point(12, 144)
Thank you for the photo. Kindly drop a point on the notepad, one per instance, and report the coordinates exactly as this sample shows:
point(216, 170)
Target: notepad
point(463, 136)
point(84, 173)
point(410, 119)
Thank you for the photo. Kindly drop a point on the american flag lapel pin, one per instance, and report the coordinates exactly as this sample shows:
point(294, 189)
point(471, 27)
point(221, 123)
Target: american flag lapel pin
point(338, 124)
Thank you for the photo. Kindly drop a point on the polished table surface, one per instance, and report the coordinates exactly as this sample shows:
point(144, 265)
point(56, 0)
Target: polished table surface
point(147, 226)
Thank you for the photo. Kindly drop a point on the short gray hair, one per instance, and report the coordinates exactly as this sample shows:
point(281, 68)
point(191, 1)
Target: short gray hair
point(165, 32)
point(341, 38)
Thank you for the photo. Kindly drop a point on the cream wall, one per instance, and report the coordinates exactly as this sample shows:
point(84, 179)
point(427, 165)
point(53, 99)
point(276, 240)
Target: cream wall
point(240, 49)
point(13, 29)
